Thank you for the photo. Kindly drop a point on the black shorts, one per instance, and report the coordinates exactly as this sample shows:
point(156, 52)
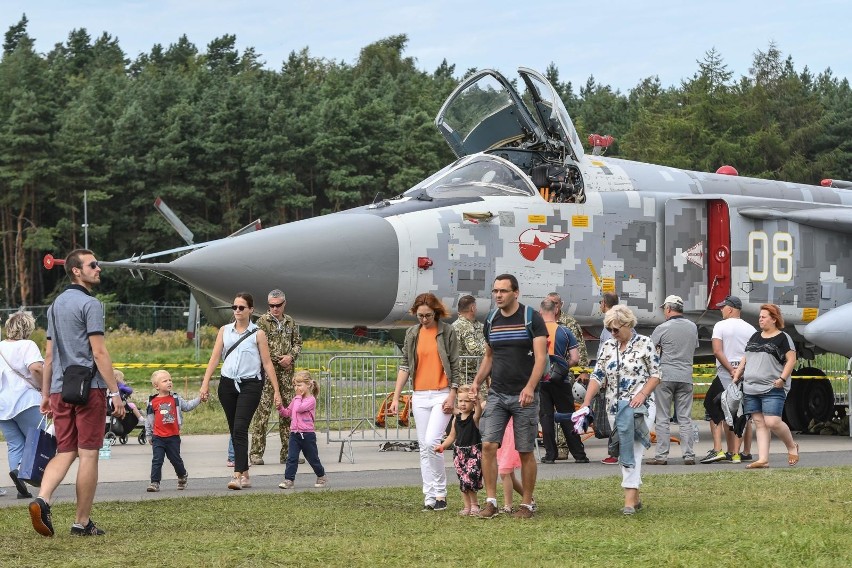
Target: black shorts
point(712, 404)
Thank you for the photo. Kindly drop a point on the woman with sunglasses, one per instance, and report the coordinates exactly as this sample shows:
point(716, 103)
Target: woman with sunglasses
point(430, 356)
point(245, 350)
point(771, 356)
point(629, 366)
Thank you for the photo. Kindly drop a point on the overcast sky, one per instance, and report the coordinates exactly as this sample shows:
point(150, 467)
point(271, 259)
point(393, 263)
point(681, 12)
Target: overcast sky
point(619, 42)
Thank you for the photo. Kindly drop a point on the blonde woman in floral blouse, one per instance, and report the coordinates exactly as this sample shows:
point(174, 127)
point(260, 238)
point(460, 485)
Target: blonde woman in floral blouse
point(629, 367)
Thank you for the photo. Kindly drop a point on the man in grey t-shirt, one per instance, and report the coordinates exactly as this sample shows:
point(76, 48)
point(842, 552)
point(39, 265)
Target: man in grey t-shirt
point(75, 336)
point(676, 340)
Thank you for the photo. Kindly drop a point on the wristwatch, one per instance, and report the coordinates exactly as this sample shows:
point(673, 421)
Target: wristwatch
point(109, 394)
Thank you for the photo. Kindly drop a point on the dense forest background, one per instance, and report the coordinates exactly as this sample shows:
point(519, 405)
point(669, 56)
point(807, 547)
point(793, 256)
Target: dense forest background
point(224, 140)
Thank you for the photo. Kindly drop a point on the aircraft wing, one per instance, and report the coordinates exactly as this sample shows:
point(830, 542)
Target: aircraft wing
point(835, 218)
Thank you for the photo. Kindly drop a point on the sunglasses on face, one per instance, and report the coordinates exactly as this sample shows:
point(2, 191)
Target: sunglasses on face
point(614, 329)
point(94, 264)
point(274, 306)
point(239, 308)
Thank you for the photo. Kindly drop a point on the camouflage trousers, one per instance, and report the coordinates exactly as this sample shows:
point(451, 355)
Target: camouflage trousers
point(260, 422)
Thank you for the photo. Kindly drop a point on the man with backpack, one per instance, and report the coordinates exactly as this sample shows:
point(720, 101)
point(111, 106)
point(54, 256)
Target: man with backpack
point(516, 358)
point(562, 349)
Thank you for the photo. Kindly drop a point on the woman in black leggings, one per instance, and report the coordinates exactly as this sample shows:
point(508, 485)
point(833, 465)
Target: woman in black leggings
point(243, 350)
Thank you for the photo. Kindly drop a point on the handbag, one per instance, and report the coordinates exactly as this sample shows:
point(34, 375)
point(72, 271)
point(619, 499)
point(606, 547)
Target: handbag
point(602, 426)
point(76, 379)
point(39, 449)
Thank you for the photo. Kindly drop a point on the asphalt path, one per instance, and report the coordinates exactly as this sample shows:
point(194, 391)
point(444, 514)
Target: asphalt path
point(125, 476)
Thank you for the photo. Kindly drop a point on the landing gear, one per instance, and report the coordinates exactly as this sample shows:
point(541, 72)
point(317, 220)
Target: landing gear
point(808, 399)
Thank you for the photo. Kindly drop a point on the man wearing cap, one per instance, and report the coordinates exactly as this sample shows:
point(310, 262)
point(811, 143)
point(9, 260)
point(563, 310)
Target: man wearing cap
point(729, 340)
point(676, 340)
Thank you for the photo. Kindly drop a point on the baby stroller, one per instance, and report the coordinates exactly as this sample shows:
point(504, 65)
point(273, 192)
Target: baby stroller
point(120, 429)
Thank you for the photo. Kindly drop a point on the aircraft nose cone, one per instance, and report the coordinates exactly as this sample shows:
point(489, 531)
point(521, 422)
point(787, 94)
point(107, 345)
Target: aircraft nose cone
point(831, 331)
point(336, 264)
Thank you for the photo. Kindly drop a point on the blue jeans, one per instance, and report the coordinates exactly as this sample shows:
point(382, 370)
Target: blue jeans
point(305, 442)
point(230, 449)
point(168, 446)
point(15, 431)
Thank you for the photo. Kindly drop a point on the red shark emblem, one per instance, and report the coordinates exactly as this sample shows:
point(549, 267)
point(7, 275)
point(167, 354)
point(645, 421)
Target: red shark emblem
point(532, 241)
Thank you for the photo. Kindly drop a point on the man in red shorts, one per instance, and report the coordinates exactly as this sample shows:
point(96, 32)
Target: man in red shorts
point(75, 336)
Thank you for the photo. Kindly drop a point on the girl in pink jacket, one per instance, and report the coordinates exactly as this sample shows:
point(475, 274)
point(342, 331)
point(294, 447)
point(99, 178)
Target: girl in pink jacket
point(302, 436)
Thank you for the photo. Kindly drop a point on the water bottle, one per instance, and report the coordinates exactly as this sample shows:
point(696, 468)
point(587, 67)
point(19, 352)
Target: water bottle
point(106, 450)
point(694, 434)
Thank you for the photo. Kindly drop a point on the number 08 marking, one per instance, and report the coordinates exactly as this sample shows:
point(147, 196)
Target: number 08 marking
point(760, 257)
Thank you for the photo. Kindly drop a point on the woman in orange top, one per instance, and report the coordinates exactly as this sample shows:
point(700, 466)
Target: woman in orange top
point(430, 356)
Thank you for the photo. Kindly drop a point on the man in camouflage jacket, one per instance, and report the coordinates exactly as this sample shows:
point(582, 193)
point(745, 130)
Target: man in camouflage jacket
point(285, 344)
point(471, 337)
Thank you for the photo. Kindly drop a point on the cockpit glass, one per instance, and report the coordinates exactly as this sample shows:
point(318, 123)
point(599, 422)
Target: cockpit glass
point(480, 176)
point(472, 106)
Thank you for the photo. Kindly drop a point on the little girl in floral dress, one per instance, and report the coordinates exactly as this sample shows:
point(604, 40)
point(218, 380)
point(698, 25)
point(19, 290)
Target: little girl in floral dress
point(467, 456)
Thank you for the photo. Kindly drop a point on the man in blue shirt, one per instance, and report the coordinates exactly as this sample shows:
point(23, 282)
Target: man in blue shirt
point(563, 350)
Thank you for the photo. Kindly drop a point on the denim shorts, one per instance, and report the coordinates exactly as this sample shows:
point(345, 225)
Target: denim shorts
point(769, 403)
point(496, 415)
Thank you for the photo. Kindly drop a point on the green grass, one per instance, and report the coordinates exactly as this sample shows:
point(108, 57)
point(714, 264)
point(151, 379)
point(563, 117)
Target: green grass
point(781, 517)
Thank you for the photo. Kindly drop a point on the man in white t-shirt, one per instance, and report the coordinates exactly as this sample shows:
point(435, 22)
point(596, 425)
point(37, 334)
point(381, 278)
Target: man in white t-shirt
point(729, 340)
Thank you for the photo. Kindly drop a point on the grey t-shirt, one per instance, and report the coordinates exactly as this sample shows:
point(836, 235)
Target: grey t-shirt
point(76, 315)
point(676, 339)
point(765, 360)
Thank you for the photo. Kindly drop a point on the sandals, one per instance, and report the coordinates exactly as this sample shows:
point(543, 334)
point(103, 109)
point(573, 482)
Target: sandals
point(793, 459)
point(465, 512)
point(235, 483)
point(474, 511)
point(245, 482)
point(758, 465)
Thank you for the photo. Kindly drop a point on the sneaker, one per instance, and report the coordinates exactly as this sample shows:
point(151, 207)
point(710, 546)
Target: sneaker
point(323, 482)
point(746, 457)
point(547, 460)
point(736, 458)
point(428, 507)
point(610, 461)
point(489, 511)
point(714, 456)
point(656, 461)
point(627, 511)
point(154, 487)
point(40, 516)
point(286, 484)
point(89, 530)
point(523, 512)
point(440, 505)
point(182, 481)
point(581, 460)
point(256, 460)
point(688, 461)
point(728, 456)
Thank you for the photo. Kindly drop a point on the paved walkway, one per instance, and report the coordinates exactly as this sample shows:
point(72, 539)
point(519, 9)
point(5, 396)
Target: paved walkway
point(125, 475)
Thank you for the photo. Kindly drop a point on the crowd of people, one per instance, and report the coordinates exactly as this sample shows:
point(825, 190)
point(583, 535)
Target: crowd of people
point(489, 414)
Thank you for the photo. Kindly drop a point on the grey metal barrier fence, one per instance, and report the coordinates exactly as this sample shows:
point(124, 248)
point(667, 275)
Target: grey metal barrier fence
point(317, 363)
point(357, 394)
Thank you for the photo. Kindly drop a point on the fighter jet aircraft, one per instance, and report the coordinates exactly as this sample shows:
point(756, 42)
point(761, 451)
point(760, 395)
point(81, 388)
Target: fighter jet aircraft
point(524, 197)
